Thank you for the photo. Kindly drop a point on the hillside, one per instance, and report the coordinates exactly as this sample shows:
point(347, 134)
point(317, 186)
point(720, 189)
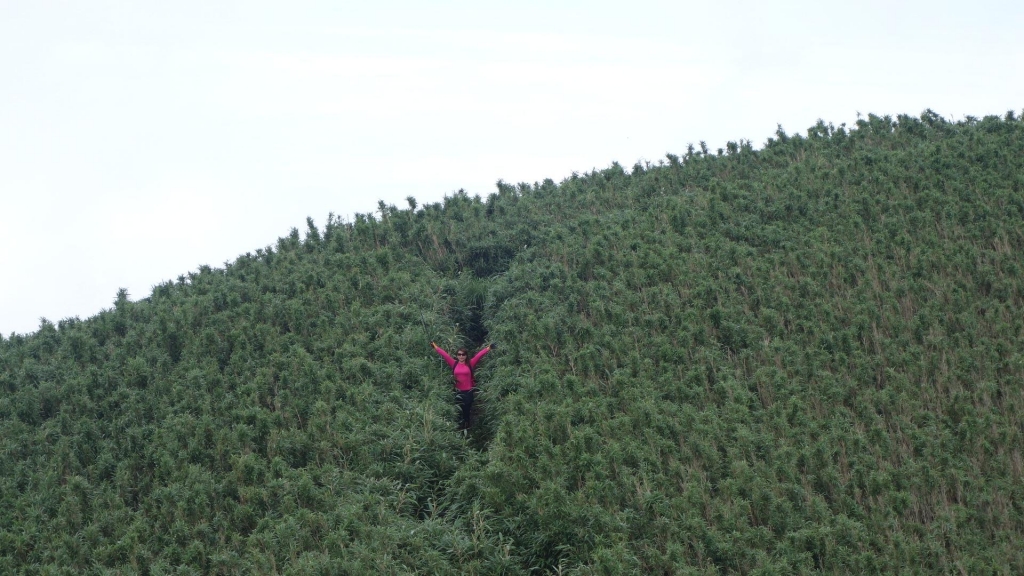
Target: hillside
point(808, 357)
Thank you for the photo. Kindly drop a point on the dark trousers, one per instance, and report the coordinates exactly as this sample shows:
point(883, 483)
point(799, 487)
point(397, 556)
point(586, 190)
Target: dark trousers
point(464, 400)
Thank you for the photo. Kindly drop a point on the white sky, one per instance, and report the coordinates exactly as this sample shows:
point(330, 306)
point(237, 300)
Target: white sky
point(140, 140)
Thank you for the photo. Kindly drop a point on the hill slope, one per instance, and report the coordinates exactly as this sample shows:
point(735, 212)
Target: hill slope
point(807, 357)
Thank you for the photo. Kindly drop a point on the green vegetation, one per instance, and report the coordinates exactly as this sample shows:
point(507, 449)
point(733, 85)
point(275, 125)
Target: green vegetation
point(804, 358)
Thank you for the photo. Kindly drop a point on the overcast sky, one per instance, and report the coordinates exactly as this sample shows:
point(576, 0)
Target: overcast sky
point(140, 140)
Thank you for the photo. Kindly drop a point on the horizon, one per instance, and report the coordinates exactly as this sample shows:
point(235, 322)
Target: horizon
point(143, 143)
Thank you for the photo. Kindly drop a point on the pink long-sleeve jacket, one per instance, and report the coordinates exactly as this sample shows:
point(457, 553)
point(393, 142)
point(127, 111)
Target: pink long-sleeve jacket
point(463, 373)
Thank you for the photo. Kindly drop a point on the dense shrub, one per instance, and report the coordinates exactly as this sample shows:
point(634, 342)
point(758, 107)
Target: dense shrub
point(805, 357)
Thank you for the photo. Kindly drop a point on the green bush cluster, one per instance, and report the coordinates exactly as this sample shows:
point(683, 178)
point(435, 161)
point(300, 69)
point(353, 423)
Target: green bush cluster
point(801, 358)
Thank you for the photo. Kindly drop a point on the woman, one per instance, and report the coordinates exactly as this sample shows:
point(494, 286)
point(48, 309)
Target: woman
point(463, 371)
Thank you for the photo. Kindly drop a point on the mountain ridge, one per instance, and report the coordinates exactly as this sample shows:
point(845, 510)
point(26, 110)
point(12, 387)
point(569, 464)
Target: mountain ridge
point(799, 358)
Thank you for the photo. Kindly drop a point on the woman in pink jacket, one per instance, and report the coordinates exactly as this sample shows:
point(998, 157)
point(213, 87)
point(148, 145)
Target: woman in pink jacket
point(463, 371)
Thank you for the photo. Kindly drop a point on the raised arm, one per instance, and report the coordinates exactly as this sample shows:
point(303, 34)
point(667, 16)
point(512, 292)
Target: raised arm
point(479, 355)
point(447, 358)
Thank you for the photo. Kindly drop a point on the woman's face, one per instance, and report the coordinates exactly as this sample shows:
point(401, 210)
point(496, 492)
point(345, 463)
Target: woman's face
point(461, 356)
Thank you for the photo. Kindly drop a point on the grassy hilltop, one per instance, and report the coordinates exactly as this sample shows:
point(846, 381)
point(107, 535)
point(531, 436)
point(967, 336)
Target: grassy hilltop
point(804, 358)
